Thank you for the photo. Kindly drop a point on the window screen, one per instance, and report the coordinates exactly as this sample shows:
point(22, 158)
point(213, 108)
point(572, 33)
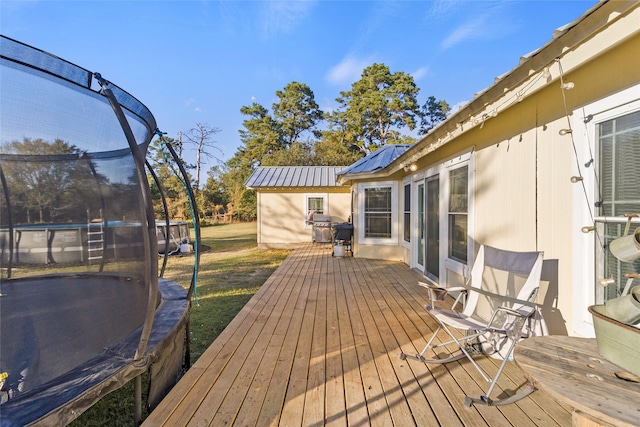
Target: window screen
point(619, 160)
point(377, 212)
point(407, 213)
point(458, 197)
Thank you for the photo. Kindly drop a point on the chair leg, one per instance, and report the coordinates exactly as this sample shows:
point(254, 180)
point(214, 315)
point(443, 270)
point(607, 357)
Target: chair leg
point(486, 399)
point(420, 356)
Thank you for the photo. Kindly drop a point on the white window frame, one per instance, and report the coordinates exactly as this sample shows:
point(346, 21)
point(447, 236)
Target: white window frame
point(585, 123)
point(451, 264)
point(442, 170)
point(393, 240)
point(305, 207)
point(407, 182)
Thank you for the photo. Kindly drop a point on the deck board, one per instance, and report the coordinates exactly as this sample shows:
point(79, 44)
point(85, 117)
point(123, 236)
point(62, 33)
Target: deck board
point(319, 344)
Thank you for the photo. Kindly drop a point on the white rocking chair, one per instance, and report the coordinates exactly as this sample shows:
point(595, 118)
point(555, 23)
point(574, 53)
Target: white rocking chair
point(499, 310)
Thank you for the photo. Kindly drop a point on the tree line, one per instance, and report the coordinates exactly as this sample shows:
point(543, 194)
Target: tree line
point(377, 110)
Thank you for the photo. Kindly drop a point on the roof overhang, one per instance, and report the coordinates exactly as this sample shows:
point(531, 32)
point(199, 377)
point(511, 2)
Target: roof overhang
point(535, 71)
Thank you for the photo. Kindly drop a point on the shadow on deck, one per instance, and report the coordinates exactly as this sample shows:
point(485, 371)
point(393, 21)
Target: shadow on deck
point(319, 344)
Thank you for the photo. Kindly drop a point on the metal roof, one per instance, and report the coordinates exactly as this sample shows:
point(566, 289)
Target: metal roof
point(377, 160)
point(294, 176)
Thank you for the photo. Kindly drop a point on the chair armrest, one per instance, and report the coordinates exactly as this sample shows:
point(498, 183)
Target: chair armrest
point(438, 293)
point(430, 286)
point(529, 311)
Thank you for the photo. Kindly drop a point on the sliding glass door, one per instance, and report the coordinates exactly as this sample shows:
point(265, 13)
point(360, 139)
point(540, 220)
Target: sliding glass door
point(432, 228)
point(428, 227)
point(420, 250)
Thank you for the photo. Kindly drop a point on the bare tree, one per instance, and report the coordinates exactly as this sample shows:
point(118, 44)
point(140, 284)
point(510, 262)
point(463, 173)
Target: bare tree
point(202, 137)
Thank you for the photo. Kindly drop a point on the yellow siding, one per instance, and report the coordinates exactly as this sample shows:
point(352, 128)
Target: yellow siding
point(281, 215)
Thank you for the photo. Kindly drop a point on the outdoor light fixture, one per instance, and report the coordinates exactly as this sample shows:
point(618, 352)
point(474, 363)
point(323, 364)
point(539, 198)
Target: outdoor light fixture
point(564, 132)
point(412, 167)
point(588, 229)
point(576, 179)
point(567, 85)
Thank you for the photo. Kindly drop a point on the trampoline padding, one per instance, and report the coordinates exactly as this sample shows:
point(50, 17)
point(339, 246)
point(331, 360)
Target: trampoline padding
point(100, 341)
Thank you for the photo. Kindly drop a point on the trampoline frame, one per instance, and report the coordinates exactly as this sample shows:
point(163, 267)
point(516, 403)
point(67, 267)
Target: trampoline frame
point(148, 347)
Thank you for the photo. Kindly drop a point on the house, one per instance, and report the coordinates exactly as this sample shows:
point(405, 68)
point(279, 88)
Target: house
point(287, 195)
point(547, 158)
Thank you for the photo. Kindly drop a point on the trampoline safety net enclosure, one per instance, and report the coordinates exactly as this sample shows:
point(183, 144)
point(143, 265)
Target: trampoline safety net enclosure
point(82, 308)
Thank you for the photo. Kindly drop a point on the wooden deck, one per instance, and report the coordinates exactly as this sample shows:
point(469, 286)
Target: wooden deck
point(319, 344)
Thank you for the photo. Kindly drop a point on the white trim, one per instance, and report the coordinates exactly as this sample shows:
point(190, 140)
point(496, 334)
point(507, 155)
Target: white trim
point(449, 264)
point(584, 262)
point(405, 182)
point(442, 171)
point(325, 205)
point(394, 213)
point(417, 179)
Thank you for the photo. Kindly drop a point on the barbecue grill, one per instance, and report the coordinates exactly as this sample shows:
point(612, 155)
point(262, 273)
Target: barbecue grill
point(321, 228)
point(342, 234)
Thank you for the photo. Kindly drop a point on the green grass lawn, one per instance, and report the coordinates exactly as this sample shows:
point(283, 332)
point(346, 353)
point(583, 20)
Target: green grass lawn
point(231, 270)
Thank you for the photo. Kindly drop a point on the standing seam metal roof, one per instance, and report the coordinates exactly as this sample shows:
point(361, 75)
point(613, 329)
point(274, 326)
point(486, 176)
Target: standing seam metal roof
point(377, 160)
point(294, 176)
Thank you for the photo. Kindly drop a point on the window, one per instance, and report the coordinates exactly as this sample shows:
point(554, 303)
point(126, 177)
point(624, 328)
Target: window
point(457, 212)
point(407, 213)
point(377, 212)
point(608, 160)
point(318, 203)
point(378, 222)
point(315, 204)
point(442, 225)
point(619, 159)
point(432, 227)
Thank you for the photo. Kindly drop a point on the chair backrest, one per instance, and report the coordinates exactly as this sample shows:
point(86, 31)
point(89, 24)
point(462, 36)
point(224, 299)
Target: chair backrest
point(501, 278)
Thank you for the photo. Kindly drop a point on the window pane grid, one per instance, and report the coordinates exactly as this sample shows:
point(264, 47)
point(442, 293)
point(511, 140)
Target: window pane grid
point(458, 209)
point(407, 213)
point(619, 157)
point(377, 212)
point(315, 204)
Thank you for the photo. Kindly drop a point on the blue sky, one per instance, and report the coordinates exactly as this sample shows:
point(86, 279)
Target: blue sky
point(201, 61)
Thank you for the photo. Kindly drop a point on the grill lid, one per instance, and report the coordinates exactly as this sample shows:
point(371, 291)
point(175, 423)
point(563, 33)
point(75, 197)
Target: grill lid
point(321, 218)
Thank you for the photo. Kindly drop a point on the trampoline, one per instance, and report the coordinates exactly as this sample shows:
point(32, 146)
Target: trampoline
point(83, 306)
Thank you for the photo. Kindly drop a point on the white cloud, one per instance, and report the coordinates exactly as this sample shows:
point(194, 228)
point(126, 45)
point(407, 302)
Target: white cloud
point(191, 103)
point(420, 73)
point(494, 21)
point(347, 71)
point(284, 16)
point(469, 30)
